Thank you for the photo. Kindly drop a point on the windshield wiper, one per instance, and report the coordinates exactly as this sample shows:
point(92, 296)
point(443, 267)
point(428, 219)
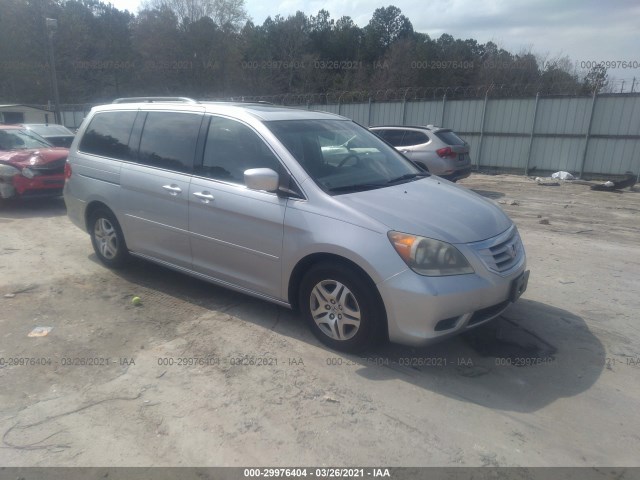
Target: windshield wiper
point(357, 188)
point(370, 186)
point(408, 176)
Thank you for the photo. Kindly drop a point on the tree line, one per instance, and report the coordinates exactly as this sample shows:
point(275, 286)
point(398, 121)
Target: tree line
point(211, 49)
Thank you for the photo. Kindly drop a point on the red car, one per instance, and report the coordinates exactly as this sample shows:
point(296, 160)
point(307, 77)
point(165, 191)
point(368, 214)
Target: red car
point(29, 165)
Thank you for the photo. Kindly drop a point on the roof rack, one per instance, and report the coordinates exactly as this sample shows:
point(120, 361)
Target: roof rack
point(155, 99)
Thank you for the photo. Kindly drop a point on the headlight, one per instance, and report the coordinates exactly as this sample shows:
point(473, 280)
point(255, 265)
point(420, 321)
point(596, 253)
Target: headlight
point(429, 257)
point(27, 172)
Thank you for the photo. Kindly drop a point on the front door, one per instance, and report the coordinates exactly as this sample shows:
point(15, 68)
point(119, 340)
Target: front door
point(236, 233)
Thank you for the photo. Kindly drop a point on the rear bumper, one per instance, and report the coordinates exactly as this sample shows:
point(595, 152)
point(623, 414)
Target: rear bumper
point(458, 174)
point(76, 209)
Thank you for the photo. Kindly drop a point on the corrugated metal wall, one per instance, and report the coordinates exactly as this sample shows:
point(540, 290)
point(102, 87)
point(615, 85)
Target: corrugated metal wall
point(576, 134)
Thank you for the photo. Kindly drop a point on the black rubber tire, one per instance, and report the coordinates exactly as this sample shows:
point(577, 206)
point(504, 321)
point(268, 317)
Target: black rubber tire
point(372, 313)
point(121, 257)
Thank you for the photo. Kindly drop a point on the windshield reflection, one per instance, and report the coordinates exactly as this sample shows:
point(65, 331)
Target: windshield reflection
point(343, 157)
point(20, 140)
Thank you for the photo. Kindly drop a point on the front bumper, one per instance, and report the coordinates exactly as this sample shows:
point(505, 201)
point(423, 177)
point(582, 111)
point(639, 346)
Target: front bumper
point(421, 310)
point(39, 185)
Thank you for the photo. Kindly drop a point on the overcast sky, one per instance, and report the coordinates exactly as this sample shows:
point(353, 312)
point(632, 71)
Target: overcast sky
point(581, 29)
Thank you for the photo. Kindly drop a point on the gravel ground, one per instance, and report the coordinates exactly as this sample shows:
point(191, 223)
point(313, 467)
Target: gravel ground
point(202, 376)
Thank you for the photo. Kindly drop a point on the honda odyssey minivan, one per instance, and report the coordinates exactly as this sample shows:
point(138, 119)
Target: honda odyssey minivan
point(305, 209)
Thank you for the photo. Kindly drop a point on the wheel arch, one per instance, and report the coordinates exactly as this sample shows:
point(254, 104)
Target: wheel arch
point(306, 263)
point(92, 207)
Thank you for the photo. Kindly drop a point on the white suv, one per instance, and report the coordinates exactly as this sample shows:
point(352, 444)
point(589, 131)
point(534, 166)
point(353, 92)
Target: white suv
point(440, 150)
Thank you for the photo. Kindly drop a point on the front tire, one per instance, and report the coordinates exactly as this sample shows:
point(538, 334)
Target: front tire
point(107, 239)
point(341, 308)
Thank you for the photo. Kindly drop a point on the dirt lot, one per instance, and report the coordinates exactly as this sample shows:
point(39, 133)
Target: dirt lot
point(198, 375)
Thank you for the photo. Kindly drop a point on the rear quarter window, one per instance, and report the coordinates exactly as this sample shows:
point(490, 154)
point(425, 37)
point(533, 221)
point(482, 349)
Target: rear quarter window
point(450, 138)
point(108, 135)
point(411, 138)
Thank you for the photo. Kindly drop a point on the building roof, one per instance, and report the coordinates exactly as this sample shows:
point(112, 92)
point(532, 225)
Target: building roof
point(12, 105)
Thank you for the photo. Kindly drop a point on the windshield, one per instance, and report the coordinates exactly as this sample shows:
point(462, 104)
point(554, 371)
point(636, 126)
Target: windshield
point(20, 139)
point(342, 157)
point(46, 130)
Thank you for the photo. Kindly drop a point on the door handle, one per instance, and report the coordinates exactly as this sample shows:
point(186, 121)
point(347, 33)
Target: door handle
point(206, 197)
point(173, 189)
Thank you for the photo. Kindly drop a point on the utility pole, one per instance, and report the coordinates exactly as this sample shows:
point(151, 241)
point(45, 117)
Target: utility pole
point(52, 26)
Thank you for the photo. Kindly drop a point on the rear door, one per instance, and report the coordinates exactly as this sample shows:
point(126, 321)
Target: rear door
point(410, 143)
point(155, 187)
point(236, 233)
point(391, 135)
point(415, 145)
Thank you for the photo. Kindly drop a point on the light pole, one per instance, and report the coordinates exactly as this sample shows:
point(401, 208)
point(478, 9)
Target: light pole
point(52, 25)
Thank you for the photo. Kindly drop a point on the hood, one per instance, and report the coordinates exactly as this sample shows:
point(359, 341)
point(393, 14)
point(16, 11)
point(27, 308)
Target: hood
point(431, 207)
point(43, 156)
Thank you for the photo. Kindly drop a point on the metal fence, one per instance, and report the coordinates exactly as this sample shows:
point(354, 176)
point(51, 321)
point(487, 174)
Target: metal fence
point(599, 134)
point(585, 135)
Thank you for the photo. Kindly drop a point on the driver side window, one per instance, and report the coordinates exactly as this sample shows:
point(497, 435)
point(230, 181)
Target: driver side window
point(232, 148)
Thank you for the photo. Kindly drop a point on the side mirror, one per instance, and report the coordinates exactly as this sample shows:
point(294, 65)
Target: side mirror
point(261, 179)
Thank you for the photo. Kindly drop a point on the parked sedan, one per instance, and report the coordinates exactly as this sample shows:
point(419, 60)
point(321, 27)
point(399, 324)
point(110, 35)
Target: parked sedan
point(437, 149)
point(29, 165)
point(57, 135)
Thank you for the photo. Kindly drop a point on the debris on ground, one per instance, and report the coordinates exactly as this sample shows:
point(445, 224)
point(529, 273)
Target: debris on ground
point(544, 221)
point(563, 175)
point(547, 182)
point(40, 332)
point(28, 288)
point(628, 182)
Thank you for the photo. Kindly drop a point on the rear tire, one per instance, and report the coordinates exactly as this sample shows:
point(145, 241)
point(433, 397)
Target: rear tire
point(107, 238)
point(341, 308)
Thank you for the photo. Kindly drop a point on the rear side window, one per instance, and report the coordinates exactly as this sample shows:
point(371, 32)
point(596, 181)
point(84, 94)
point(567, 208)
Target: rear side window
point(108, 135)
point(394, 137)
point(450, 138)
point(169, 140)
point(412, 137)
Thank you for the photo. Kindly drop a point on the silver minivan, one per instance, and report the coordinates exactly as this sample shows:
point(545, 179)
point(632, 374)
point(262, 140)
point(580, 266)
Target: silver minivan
point(305, 209)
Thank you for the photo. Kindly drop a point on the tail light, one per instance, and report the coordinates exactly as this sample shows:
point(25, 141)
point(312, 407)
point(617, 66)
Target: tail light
point(67, 171)
point(446, 152)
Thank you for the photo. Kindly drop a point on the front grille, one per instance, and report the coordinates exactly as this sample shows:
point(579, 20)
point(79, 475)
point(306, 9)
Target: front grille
point(500, 254)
